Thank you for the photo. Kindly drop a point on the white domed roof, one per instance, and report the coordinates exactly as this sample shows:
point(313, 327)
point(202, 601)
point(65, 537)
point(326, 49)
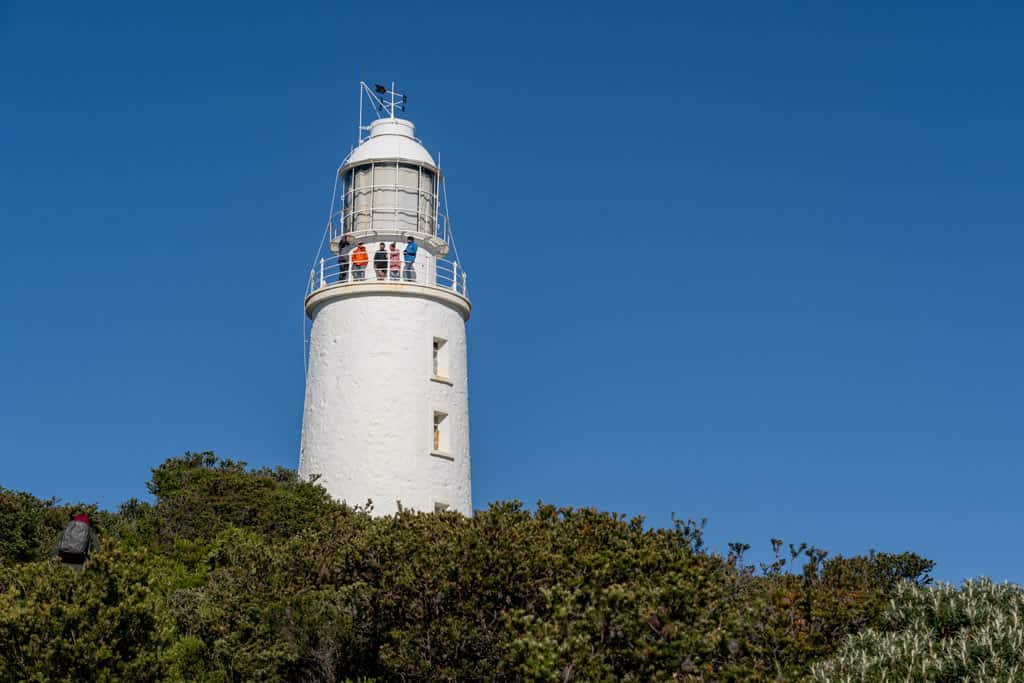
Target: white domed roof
point(391, 139)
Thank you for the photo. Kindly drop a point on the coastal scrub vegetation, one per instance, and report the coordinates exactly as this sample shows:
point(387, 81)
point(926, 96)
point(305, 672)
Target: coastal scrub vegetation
point(233, 574)
point(975, 633)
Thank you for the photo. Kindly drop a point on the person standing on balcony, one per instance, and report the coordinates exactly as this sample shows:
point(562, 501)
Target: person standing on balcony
point(410, 259)
point(395, 261)
point(359, 260)
point(343, 259)
point(380, 262)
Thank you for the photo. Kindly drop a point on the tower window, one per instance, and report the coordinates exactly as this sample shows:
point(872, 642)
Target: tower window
point(440, 507)
point(441, 442)
point(440, 362)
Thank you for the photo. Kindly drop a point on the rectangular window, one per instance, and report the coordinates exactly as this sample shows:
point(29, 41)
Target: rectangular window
point(440, 507)
point(440, 364)
point(441, 442)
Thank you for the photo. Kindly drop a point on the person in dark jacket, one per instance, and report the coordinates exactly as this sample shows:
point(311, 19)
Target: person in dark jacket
point(77, 542)
point(343, 259)
point(380, 262)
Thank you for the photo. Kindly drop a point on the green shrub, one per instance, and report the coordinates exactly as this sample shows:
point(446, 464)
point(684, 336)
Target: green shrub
point(107, 623)
point(199, 495)
point(28, 526)
point(233, 575)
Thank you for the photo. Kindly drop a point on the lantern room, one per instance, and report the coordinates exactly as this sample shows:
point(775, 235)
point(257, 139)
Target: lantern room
point(389, 184)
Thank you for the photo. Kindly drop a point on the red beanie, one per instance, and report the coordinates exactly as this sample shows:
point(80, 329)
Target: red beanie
point(82, 518)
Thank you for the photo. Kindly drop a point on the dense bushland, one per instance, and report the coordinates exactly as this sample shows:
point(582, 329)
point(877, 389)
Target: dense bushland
point(235, 575)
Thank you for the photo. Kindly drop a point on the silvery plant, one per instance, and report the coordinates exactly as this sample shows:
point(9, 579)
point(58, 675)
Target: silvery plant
point(938, 633)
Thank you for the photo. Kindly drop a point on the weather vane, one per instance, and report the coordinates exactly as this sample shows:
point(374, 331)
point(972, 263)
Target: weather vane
point(385, 102)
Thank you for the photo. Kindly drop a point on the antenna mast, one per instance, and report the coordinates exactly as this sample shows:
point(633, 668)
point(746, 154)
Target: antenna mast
point(385, 102)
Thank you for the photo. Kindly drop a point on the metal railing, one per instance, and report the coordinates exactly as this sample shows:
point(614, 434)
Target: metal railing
point(432, 272)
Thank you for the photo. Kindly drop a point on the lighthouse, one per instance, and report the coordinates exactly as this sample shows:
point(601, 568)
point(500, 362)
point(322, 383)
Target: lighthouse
point(386, 414)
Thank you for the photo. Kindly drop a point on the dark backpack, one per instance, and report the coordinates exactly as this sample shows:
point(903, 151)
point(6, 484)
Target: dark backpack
point(73, 545)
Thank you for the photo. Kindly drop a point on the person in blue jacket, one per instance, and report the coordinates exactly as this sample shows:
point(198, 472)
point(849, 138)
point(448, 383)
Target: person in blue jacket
point(410, 258)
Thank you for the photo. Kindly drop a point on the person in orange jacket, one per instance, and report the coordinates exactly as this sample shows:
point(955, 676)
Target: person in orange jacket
point(359, 260)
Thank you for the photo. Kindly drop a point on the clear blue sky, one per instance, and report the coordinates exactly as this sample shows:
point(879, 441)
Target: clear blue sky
point(825, 345)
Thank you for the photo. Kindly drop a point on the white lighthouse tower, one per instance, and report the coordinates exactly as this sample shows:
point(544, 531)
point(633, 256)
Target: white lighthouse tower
point(386, 413)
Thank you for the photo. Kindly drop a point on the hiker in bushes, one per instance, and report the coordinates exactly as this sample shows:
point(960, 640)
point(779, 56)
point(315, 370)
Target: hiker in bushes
point(77, 542)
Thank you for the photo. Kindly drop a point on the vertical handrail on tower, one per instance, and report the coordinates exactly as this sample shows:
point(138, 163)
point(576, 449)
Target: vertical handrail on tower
point(438, 222)
point(455, 276)
point(321, 272)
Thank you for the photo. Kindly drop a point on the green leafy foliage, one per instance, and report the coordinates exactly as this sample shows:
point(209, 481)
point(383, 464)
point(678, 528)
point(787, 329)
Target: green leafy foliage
point(107, 623)
point(29, 525)
point(233, 574)
point(199, 495)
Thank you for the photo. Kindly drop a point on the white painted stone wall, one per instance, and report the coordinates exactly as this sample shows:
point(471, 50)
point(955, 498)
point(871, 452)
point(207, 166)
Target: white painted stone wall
point(367, 427)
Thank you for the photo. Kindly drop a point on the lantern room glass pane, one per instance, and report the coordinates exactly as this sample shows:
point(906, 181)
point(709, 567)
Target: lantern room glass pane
point(408, 187)
point(427, 194)
point(384, 174)
point(384, 191)
point(359, 208)
point(346, 202)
